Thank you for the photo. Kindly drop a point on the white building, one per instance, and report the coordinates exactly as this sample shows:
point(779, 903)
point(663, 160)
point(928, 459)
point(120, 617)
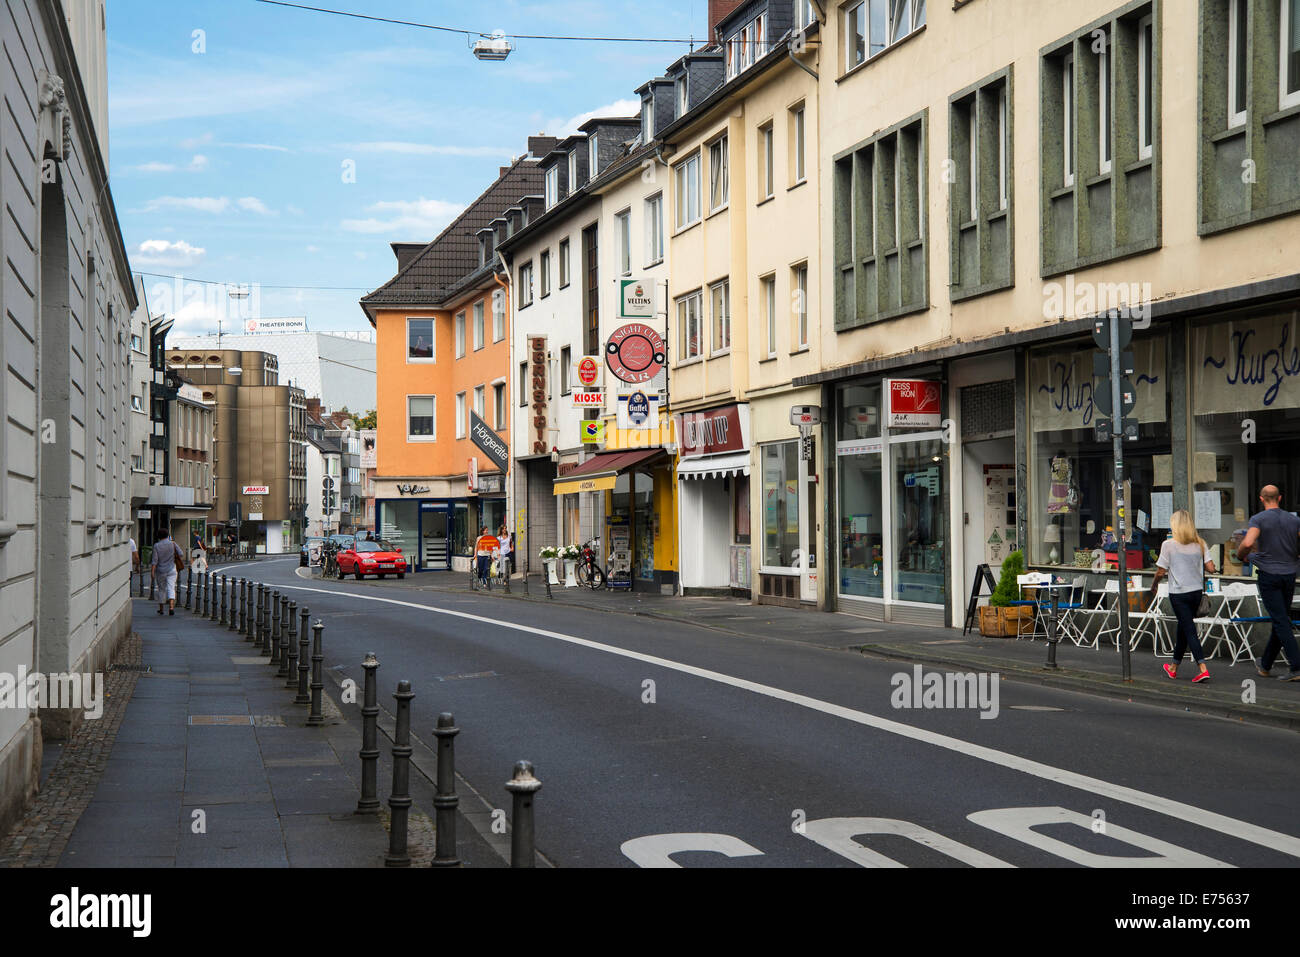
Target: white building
point(67, 297)
point(336, 367)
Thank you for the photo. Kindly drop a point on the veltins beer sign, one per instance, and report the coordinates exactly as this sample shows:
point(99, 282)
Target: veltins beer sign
point(914, 402)
point(636, 299)
point(635, 353)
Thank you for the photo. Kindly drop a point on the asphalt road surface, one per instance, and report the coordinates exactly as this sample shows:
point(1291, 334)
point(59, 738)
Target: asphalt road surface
point(661, 744)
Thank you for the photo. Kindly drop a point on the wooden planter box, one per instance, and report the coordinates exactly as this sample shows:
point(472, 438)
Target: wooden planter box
point(1008, 622)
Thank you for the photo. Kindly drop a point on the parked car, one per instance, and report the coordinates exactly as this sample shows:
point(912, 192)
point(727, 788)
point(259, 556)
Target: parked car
point(304, 553)
point(371, 558)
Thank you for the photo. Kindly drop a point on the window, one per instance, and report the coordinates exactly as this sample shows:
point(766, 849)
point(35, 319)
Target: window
point(552, 186)
point(525, 285)
point(137, 403)
point(564, 263)
point(973, 138)
point(718, 174)
point(799, 282)
point(797, 143)
point(498, 315)
point(1067, 118)
point(1237, 13)
point(624, 220)
point(683, 99)
point(462, 419)
point(499, 406)
point(688, 321)
point(1145, 56)
point(647, 119)
point(746, 49)
point(688, 191)
point(545, 266)
point(480, 402)
point(420, 418)
point(1289, 55)
point(419, 340)
point(767, 302)
point(720, 300)
point(591, 295)
point(780, 463)
point(1002, 147)
point(855, 35)
point(765, 160)
point(480, 333)
point(1103, 105)
point(523, 385)
point(803, 14)
point(137, 343)
point(573, 171)
point(566, 365)
point(593, 157)
point(460, 335)
point(654, 229)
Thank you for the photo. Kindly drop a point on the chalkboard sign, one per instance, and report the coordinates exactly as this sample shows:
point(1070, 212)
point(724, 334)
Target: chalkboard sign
point(983, 576)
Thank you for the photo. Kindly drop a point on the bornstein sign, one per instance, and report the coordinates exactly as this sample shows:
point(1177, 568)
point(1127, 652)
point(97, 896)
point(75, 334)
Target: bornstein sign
point(636, 299)
point(914, 403)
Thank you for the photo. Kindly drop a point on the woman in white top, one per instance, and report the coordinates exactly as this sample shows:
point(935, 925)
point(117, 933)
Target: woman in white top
point(1185, 558)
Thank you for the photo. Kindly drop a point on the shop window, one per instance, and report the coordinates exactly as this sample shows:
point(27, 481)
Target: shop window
point(740, 503)
point(780, 504)
point(1071, 473)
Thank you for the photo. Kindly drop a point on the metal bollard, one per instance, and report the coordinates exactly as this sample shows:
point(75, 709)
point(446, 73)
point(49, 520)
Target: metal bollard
point(198, 597)
point(314, 717)
point(291, 671)
point(257, 623)
point(222, 618)
point(399, 802)
point(266, 622)
point(233, 623)
point(189, 586)
point(523, 786)
point(445, 800)
point(369, 803)
point(275, 627)
point(246, 616)
point(304, 667)
point(283, 671)
point(212, 605)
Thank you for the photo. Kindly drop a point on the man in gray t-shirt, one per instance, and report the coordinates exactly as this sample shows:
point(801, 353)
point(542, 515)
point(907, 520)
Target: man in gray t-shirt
point(1273, 543)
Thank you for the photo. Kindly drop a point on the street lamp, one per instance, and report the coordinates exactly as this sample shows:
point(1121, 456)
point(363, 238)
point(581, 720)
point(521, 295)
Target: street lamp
point(492, 47)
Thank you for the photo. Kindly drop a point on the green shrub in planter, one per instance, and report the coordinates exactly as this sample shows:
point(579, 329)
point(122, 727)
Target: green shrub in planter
point(1008, 589)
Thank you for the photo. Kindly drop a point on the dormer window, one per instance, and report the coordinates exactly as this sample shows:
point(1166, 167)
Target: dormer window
point(647, 119)
point(552, 186)
point(682, 101)
point(482, 250)
point(573, 170)
point(592, 157)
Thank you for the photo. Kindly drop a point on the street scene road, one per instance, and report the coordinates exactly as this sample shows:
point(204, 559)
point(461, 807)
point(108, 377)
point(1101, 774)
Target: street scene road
point(782, 753)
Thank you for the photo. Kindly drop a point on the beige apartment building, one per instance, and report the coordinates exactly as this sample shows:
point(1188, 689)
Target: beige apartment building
point(996, 175)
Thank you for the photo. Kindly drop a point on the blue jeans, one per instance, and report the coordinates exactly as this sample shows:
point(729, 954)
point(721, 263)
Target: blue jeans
point(484, 565)
point(1275, 594)
point(1185, 604)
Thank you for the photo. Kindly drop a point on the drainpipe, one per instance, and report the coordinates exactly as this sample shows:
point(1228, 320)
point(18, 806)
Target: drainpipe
point(800, 64)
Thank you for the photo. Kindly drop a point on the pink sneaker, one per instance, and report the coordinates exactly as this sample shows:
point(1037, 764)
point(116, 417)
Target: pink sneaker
point(1170, 670)
point(1203, 676)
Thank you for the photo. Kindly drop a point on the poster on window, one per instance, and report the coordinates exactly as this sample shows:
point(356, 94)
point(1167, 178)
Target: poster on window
point(999, 513)
point(1061, 388)
point(1247, 365)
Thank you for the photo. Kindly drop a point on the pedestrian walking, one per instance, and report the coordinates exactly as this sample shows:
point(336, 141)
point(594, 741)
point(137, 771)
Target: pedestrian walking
point(507, 549)
point(483, 548)
point(1273, 543)
point(135, 556)
point(164, 566)
point(1185, 558)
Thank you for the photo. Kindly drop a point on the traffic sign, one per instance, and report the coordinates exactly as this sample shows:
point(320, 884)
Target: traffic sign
point(1101, 332)
point(1101, 396)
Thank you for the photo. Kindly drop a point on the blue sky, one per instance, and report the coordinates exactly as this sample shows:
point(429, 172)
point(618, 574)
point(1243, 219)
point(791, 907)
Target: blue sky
point(228, 164)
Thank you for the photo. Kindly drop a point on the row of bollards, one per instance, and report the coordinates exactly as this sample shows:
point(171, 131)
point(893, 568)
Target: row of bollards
point(522, 786)
point(276, 628)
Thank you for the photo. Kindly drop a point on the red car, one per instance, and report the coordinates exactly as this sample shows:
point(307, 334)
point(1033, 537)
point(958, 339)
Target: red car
point(371, 558)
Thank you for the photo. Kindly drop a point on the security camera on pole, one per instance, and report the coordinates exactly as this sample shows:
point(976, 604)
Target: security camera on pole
point(1114, 395)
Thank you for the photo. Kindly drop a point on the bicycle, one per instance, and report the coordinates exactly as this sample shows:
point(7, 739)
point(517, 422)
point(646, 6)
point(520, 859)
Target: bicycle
point(589, 573)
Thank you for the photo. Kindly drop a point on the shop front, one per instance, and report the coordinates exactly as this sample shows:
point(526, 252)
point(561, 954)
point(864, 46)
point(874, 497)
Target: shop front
point(892, 466)
point(713, 472)
point(430, 530)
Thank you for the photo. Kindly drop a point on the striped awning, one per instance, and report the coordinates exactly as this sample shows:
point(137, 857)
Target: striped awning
point(714, 466)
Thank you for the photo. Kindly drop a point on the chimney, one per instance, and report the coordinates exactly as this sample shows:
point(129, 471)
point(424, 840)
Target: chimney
point(718, 11)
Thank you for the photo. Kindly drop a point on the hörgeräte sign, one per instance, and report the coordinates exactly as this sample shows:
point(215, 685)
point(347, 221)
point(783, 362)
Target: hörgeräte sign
point(493, 446)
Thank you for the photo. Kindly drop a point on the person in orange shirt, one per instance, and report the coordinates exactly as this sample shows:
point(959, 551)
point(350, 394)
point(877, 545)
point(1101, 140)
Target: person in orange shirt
point(487, 544)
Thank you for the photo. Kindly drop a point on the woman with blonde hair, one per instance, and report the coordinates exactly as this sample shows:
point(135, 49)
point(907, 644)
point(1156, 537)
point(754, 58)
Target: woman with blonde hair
point(1185, 558)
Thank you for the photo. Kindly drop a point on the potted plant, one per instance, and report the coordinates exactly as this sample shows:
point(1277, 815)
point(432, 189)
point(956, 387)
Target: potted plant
point(1001, 618)
point(549, 555)
point(570, 554)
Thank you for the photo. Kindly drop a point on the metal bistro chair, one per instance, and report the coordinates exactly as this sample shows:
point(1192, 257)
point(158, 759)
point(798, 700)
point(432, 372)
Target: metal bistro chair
point(1240, 598)
point(1109, 618)
point(1156, 621)
point(1072, 608)
point(1040, 602)
point(1215, 626)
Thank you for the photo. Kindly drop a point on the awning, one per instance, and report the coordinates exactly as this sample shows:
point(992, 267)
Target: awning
point(602, 470)
point(714, 466)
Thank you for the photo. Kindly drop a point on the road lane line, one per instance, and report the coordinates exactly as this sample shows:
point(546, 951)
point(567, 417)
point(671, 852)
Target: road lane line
point(1243, 830)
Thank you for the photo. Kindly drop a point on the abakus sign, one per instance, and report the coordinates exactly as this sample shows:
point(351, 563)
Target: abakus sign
point(636, 299)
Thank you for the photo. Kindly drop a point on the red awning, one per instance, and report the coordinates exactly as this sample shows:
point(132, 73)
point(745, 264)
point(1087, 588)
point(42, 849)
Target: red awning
point(611, 463)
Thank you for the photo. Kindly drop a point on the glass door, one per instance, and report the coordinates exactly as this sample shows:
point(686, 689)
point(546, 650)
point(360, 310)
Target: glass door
point(920, 521)
point(433, 537)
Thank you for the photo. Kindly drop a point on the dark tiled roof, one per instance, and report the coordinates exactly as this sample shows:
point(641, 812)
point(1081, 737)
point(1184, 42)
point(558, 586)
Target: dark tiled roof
point(429, 276)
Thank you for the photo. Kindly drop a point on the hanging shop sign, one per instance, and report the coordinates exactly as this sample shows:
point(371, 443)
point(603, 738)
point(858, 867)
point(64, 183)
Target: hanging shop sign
point(592, 431)
point(914, 403)
point(717, 430)
point(471, 473)
point(537, 391)
point(638, 410)
point(636, 299)
point(588, 398)
point(491, 482)
point(587, 371)
point(485, 437)
point(635, 353)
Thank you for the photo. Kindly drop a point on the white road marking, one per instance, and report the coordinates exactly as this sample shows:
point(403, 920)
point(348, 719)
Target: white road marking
point(1242, 830)
point(837, 834)
point(654, 850)
point(1018, 823)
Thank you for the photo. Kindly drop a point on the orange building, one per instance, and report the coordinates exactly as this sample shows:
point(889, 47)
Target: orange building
point(443, 360)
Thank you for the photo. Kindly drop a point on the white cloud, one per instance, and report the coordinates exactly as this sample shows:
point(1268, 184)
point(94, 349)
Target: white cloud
point(200, 204)
point(426, 149)
point(254, 205)
point(313, 249)
point(619, 108)
point(257, 146)
point(410, 219)
point(196, 165)
point(160, 252)
point(195, 142)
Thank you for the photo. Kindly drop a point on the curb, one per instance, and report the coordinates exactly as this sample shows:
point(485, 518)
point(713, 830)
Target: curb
point(1091, 682)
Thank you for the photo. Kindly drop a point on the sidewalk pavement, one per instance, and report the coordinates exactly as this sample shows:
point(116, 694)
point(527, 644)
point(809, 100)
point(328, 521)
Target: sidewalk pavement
point(202, 760)
point(1265, 701)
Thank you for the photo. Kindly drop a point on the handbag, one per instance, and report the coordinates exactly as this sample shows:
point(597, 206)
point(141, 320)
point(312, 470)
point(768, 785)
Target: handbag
point(1203, 609)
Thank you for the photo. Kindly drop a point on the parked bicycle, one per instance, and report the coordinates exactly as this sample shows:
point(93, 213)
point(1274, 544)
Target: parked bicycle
point(589, 573)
